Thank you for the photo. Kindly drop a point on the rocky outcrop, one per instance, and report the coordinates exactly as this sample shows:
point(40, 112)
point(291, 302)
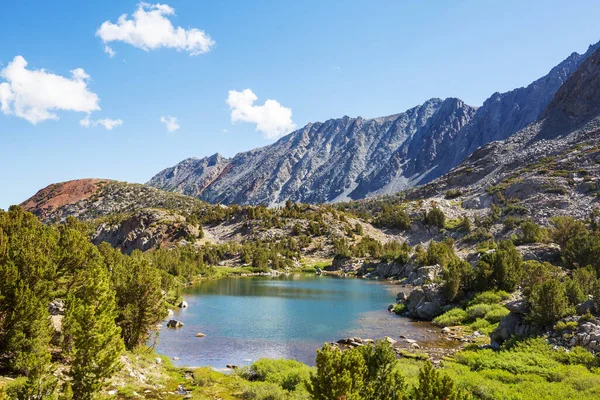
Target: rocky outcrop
point(513, 324)
point(345, 264)
point(424, 275)
point(145, 230)
point(426, 302)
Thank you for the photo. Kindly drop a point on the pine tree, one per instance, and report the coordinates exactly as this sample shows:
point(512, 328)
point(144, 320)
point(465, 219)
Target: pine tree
point(339, 375)
point(92, 340)
point(434, 385)
point(139, 298)
point(28, 333)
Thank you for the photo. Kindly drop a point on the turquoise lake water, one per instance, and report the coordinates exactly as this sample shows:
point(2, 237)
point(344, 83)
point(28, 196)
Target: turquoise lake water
point(247, 318)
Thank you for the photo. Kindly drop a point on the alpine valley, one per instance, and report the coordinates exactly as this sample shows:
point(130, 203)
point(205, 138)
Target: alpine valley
point(487, 220)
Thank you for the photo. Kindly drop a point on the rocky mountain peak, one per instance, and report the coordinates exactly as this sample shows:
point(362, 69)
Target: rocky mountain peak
point(352, 158)
point(576, 102)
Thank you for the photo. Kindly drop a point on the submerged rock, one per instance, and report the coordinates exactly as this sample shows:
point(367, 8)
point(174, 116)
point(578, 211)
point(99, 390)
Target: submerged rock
point(174, 324)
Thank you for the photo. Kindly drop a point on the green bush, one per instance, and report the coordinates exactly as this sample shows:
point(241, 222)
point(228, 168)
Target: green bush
point(501, 269)
point(535, 272)
point(496, 314)
point(435, 217)
point(393, 217)
point(490, 297)
point(528, 370)
point(511, 222)
point(565, 228)
point(492, 313)
point(458, 277)
point(455, 316)
point(264, 391)
point(399, 308)
point(365, 372)
point(531, 232)
point(582, 251)
point(549, 302)
point(288, 374)
point(483, 326)
point(566, 326)
point(439, 253)
point(453, 193)
point(435, 385)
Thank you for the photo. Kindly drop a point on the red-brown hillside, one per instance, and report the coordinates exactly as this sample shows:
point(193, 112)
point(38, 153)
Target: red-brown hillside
point(62, 194)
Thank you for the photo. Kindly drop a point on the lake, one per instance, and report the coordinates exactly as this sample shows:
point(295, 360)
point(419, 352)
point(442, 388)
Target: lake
point(248, 318)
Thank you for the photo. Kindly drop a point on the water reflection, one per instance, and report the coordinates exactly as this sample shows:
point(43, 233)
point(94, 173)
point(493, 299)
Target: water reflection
point(290, 317)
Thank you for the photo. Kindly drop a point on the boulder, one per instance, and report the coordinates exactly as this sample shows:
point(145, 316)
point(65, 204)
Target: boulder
point(512, 324)
point(183, 304)
point(518, 306)
point(426, 302)
point(56, 307)
point(424, 275)
point(541, 252)
point(389, 269)
point(583, 308)
point(429, 310)
point(173, 323)
point(401, 297)
point(390, 340)
point(200, 334)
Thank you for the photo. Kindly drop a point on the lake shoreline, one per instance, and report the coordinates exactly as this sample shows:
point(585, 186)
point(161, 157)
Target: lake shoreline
point(381, 323)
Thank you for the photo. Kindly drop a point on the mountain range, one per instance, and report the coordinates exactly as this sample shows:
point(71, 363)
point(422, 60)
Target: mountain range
point(353, 158)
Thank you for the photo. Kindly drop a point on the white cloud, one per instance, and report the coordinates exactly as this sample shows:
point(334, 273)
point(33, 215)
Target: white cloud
point(272, 119)
point(108, 50)
point(150, 29)
point(107, 123)
point(36, 95)
point(170, 122)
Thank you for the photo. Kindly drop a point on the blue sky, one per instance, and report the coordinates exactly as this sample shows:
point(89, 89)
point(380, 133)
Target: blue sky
point(316, 59)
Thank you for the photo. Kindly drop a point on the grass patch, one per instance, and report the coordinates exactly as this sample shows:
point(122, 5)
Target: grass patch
point(453, 317)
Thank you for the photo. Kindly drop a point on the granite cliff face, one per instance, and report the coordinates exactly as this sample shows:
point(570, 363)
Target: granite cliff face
point(353, 158)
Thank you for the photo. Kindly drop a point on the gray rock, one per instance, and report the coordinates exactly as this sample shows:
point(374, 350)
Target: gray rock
point(345, 264)
point(429, 310)
point(518, 306)
point(512, 324)
point(183, 304)
point(583, 308)
point(424, 275)
point(174, 324)
point(56, 307)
